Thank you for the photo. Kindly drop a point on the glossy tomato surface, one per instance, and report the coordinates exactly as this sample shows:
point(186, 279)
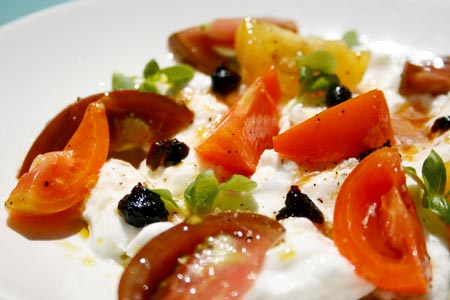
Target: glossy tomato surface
point(252, 235)
point(376, 226)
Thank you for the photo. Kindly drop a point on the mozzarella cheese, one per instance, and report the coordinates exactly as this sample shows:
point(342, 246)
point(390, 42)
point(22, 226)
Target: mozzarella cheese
point(306, 265)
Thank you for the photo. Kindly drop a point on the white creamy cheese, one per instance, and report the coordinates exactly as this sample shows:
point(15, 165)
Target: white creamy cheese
point(307, 265)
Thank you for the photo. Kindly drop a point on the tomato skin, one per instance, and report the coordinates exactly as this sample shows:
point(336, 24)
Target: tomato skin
point(339, 132)
point(223, 31)
point(247, 130)
point(151, 111)
point(59, 180)
point(158, 258)
point(196, 45)
point(424, 77)
point(376, 226)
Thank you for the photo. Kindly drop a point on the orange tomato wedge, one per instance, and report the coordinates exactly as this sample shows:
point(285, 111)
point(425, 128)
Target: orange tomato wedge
point(136, 120)
point(247, 130)
point(342, 131)
point(59, 180)
point(376, 226)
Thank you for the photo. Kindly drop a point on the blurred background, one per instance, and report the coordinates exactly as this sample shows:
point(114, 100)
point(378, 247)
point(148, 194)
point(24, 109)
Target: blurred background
point(11, 10)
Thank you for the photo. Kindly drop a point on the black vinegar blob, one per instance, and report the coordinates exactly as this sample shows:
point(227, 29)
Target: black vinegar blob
point(298, 204)
point(166, 153)
point(142, 207)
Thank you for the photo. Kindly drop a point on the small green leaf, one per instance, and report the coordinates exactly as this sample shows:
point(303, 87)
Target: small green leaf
point(351, 39)
point(202, 192)
point(320, 60)
point(122, 82)
point(149, 85)
point(441, 206)
point(239, 183)
point(178, 74)
point(316, 75)
point(410, 171)
point(151, 68)
point(433, 183)
point(324, 82)
point(167, 198)
point(434, 174)
point(166, 81)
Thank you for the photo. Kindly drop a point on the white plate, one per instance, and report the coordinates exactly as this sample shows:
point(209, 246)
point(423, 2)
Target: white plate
point(50, 58)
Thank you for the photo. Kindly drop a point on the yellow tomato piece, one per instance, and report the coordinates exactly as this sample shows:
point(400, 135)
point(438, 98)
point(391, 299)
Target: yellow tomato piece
point(351, 65)
point(259, 45)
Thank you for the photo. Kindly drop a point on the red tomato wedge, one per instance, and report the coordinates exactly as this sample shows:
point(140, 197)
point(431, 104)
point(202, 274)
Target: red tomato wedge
point(339, 132)
point(247, 130)
point(59, 180)
point(136, 120)
point(198, 45)
point(158, 259)
point(376, 226)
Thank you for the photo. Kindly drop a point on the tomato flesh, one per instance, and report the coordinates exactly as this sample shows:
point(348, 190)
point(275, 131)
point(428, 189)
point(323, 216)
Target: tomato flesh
point(136, 120)
point(342, 131)
point(247, 130)
point(197, 46)
point(425, 77)
point(376, 226)
point(59, 180)
point(159, 258)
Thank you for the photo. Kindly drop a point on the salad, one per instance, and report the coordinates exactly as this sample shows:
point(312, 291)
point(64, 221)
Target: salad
point(262, 164)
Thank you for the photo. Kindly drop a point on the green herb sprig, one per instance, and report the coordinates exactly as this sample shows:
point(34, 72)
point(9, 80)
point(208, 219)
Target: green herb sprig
point(433, 184)
point(165, 81)
point(316, 74)
point(202, 194)
point(351, 39)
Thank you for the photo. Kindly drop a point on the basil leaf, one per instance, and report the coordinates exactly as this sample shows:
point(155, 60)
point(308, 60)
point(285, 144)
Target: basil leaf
point(351, 39)
point(166, 81)
point(320, 60)
point(434, 174)
point(433, 183)
point(202, 192)
point(149, 85)
point(239, 183)
point(178, 74)
point(324, 82)
point(151, 68)
point(167, 198)
point(441, 206)
point(122, 82)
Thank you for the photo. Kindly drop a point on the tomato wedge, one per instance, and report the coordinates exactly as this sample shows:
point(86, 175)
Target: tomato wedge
point(428, 76)
point(59, 180)
point(247, 130)
point(342, 131)
point(376, 226)
point(159, 258)
point(136, 120)
point(198, 45)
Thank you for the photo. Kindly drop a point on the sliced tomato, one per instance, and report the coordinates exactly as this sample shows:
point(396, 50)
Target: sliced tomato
point(428, 76)
point(146, 277)
point(247, 130)
point(198, 45)
point(342, 131)
point(376, 226)
point(136, 120)
point(59, 180)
